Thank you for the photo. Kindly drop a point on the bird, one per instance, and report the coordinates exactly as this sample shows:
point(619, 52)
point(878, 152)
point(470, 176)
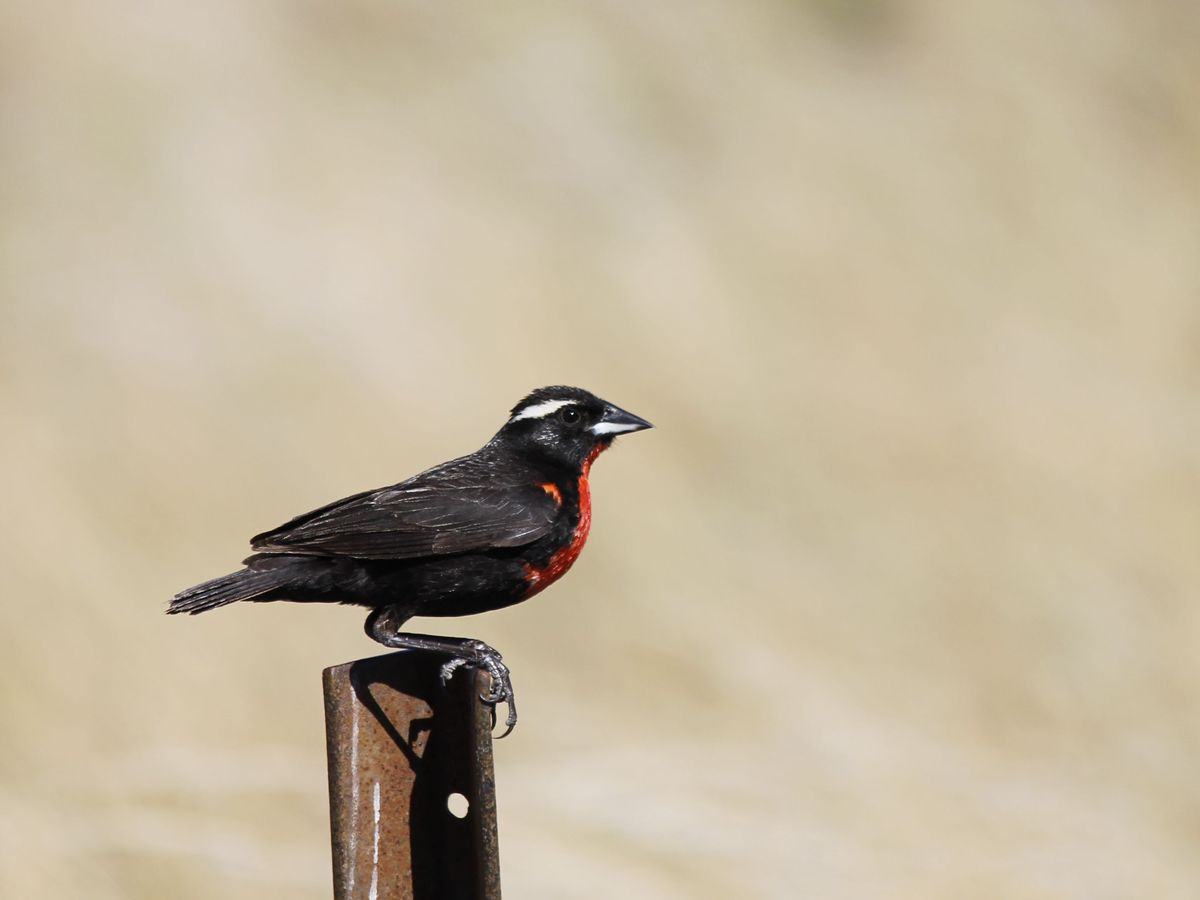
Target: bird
point(477, 533)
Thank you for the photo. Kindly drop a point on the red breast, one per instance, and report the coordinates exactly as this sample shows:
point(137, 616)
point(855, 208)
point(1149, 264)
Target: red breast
point(541, 577)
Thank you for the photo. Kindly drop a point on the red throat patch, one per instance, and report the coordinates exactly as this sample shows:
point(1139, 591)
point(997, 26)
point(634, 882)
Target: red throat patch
point(541, 577)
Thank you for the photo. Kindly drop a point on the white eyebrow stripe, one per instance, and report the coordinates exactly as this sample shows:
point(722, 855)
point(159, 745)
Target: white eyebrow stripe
point(541, 410)
point(612, 428)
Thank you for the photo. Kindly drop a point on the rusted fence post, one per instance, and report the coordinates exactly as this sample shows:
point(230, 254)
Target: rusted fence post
point(411, 789)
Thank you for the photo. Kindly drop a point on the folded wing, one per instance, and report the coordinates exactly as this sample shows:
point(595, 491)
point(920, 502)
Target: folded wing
point(420, 517)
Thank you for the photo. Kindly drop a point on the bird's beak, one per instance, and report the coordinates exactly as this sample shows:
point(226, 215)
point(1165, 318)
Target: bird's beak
point(617, 421)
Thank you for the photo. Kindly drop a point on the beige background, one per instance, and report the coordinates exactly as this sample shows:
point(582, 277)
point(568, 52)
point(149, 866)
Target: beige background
point(899, 599)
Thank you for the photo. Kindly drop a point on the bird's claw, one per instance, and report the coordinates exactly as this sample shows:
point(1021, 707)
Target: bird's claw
point(479, 655)
point(450, 667)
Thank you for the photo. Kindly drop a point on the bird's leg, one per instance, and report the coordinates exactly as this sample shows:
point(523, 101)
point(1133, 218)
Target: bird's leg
point(462, 652)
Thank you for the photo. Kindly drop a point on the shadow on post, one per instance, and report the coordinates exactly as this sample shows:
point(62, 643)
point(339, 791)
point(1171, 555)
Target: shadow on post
point(411, 785)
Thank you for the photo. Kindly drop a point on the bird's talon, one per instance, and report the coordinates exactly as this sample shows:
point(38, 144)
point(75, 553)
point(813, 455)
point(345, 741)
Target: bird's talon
point(450, 667)
point(509, 723)
point(477, 654)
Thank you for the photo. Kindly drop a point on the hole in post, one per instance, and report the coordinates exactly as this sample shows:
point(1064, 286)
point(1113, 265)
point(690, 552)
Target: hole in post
point(458, 805)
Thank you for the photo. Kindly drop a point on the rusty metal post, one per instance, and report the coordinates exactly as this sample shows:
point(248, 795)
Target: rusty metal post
point(411, 789)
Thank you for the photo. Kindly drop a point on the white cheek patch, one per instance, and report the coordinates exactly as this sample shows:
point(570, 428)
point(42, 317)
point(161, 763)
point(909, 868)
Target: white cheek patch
point(613, 428)
point(541, 410)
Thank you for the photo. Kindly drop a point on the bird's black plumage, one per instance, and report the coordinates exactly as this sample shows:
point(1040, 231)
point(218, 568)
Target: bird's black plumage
point(476, 533)
point(488, 500)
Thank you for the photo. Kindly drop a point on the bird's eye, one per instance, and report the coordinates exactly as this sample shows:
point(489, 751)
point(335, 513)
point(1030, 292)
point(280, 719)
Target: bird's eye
point(569, 415)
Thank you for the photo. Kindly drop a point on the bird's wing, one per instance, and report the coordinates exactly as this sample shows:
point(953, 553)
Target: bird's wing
point(451, 512)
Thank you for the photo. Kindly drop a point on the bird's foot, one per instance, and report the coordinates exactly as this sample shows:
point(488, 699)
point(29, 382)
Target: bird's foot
point(477, 654)
point(383, 625)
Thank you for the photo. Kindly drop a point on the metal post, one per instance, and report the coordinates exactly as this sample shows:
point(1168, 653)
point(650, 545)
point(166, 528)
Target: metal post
point(405, 752)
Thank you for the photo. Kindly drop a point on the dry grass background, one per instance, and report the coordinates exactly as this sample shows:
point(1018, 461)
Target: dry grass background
point(899, 600)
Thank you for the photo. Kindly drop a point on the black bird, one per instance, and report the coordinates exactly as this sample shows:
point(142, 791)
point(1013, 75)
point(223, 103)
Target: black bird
point(477, 533)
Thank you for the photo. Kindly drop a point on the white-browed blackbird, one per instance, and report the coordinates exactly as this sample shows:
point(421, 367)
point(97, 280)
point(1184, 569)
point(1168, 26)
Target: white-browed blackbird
point(477, 533)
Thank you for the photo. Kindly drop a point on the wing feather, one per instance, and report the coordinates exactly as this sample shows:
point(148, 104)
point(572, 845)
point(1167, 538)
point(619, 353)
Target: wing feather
point(450, 509)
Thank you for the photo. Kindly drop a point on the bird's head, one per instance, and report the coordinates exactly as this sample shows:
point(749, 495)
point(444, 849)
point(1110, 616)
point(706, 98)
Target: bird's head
point(567, 425)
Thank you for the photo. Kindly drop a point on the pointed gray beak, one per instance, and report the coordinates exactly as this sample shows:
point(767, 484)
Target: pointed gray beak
point(617, 421)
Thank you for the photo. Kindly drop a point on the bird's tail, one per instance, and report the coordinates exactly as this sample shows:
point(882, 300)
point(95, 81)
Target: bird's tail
point(246, 584)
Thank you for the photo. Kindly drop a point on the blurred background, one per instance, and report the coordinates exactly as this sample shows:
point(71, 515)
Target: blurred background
point(898, 600)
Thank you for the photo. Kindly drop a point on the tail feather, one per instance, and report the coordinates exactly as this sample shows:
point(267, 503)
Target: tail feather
point(245, 584)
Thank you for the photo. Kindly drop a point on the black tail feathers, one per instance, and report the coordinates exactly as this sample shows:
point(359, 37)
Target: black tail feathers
point(246, 584)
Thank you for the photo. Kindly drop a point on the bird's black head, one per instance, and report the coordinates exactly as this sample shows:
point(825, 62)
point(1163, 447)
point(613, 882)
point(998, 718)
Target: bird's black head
point(567, 426)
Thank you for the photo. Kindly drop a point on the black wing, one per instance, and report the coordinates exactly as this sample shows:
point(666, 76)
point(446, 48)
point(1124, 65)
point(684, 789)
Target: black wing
point(448, 509)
